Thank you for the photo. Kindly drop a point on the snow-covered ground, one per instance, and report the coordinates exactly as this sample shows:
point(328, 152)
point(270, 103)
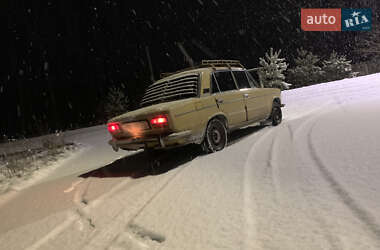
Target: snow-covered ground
point(312, 182)
point(25, 169)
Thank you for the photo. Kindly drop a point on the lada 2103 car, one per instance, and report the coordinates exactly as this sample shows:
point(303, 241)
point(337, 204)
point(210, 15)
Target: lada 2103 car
point(196, 105)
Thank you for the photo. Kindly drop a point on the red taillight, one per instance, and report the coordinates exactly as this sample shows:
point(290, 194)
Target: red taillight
point(113, 127)
point(159, 121)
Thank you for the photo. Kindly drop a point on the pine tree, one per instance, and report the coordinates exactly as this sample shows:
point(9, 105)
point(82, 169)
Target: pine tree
point(272, 69)
point(306, 71)
point(337, 67)
point(116, 102)
point(367, 51)
point(369, 46)
point(368, 43)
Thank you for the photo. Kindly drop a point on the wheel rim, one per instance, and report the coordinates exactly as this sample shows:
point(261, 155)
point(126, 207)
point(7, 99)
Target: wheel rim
point(217, 136)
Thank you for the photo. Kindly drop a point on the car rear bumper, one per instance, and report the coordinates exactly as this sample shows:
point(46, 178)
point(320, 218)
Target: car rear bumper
point(174, 139)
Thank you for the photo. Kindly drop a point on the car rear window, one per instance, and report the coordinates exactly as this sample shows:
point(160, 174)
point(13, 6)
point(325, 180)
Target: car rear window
point(171, 90)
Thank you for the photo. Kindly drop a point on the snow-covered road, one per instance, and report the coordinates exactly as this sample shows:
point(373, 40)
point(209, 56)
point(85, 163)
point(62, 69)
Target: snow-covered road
point(312, 182)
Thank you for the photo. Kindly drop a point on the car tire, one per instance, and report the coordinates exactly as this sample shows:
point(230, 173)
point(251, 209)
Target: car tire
point(276, 115)
point(215, 137)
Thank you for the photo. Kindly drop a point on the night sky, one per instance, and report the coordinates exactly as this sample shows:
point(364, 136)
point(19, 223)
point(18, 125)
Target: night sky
point(59, 58)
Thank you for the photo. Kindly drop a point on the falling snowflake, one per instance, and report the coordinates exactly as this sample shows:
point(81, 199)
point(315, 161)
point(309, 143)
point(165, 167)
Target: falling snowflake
point(241, 32)
point(149, 24)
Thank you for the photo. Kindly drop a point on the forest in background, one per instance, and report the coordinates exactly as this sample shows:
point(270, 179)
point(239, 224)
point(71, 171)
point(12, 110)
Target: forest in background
point(60, 59)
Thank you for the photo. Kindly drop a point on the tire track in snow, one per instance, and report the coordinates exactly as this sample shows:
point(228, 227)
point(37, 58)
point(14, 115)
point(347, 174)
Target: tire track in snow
point(334, 241)
point(159, 191)
point(77, 215)
point(133, 235)
point(290, 131)
point(72, 217)
point(269, 148)
point(81, 203)
point(251, 224)
point(275, 175)
point(359, 212)
point(250, 201)
point(140, 231)
point(299, 122)
point(272, 167)
point(298, 130)
point(81, 214)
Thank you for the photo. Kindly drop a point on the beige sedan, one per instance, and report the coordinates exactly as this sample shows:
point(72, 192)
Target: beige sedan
point(198, 105)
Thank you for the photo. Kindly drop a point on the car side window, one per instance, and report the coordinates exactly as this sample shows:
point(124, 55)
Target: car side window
point(214, 85)
point(241, 79)
point(225, 80)
point(254, 81)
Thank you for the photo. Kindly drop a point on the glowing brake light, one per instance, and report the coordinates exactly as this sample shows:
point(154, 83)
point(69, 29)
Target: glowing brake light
point(159, 121)
point(113, 127)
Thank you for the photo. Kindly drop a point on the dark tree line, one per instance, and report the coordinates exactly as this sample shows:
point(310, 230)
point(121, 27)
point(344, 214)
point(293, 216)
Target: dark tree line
point(59, 58)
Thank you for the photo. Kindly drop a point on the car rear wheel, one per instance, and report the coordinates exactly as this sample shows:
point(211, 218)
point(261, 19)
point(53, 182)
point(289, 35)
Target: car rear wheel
point(215, 137)
point(276, 115)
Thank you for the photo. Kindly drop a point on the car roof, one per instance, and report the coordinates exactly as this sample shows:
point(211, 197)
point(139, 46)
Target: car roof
point(205, 65)
point(188, 71)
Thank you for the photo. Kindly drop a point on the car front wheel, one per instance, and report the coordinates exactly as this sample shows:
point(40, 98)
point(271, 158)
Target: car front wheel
point(215, 137)
point(276, 115)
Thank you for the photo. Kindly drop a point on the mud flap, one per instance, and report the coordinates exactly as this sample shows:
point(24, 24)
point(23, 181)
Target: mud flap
point(115, 148)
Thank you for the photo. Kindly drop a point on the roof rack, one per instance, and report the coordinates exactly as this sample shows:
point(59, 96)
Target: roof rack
point(253, 69)
point(228, 63)
point(208, 63)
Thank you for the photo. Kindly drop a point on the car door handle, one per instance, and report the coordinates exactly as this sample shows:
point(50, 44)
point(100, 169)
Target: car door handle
point(219, 101)
point(246, 95)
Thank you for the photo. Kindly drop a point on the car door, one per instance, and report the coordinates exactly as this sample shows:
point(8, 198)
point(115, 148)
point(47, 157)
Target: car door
point(228, 97)
point(254, 96)
point(265, 95)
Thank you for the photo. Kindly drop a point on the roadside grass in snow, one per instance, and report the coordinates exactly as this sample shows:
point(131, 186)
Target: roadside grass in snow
point(19, 166)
